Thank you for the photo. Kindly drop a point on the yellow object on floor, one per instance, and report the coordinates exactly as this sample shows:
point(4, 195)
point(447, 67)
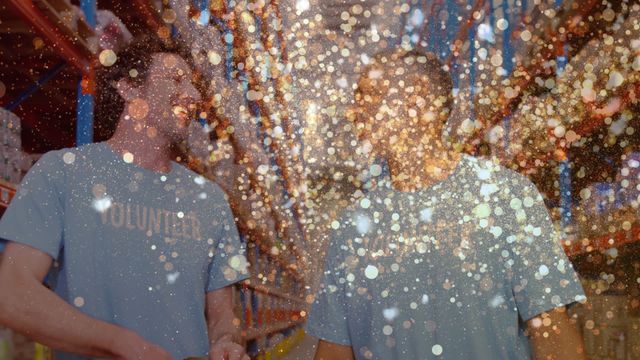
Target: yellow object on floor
point(42, 353)
point(278, 351)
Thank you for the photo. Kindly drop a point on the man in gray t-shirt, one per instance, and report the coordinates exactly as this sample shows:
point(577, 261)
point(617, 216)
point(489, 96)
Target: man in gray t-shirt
point(142, 251)
point(451, 256)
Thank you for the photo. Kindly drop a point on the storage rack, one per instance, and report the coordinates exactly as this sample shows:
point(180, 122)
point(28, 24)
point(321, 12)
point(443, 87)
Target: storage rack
point(271, 308)
point(7, 192)
point(520, 17)
point(593, 243)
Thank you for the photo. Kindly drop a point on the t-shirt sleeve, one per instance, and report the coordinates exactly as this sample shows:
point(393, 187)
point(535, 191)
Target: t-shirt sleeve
point(328, 316)
point(35, 215)
point(544, 277)
point(229, 264)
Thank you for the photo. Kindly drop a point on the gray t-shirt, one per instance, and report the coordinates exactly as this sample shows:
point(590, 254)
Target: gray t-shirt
point(133, 247)
point(449, 272)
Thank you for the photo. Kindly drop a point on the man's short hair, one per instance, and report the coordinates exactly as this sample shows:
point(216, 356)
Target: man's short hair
point(421, 63)
point(132, 63)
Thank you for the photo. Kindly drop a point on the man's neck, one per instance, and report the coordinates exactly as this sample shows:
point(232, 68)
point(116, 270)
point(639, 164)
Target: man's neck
point(422, 169)
point(149, 152)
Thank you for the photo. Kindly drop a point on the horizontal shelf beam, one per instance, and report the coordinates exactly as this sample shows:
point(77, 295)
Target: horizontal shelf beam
point(253, 333)
point(603, 242)
point(68, 46)
point(269, 290)
point(7, 192)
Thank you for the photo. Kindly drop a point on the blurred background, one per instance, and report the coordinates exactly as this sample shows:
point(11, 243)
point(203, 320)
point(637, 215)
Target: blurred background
point(547, 88)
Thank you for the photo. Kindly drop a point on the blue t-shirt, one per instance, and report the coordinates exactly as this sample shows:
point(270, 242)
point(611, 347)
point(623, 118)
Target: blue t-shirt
point(132, 247)
point(452, 272)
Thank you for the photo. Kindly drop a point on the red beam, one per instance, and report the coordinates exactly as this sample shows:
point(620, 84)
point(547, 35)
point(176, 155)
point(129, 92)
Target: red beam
point(7, 192)
point(44, 26)
point(603, 242)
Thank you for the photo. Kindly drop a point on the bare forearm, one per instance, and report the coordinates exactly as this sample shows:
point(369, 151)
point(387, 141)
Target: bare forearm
point(224, 326)
point(331, 351)
point(557, 347)
point(555, 336)
point(43, 316)
point(221, 321)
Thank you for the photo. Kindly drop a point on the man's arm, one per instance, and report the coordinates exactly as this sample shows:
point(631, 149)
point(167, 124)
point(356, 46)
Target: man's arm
point(332, 351)
point(28, 307)
point(553, 335)
point(223, 326)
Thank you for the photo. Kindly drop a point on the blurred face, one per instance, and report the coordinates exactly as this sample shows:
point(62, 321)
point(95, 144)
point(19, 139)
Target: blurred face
point(168, 100)
point(394, 109)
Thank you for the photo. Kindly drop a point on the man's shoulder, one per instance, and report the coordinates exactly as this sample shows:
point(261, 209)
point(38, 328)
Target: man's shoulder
point(54, 159)
point(353, 221)
point(199, 182)
point(490, 170)
point(69, 155)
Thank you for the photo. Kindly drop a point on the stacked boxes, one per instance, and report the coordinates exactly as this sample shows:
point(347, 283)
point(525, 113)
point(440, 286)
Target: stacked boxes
point(14, 163)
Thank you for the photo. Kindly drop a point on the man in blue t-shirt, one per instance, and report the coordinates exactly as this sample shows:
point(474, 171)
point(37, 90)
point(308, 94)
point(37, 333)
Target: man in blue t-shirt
point(450, 256)
point(141, 252)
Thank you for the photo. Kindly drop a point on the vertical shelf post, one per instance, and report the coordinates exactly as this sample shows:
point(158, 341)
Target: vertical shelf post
point(84, 127)
point(566, 199)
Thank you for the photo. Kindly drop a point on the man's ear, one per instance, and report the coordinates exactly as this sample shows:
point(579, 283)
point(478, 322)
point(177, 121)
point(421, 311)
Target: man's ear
point(127, 90)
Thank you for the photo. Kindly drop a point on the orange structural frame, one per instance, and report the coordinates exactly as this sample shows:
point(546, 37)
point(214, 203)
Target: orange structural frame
point(7, 192)
point(507, 105)
point(65, 45)
point(604, 242)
